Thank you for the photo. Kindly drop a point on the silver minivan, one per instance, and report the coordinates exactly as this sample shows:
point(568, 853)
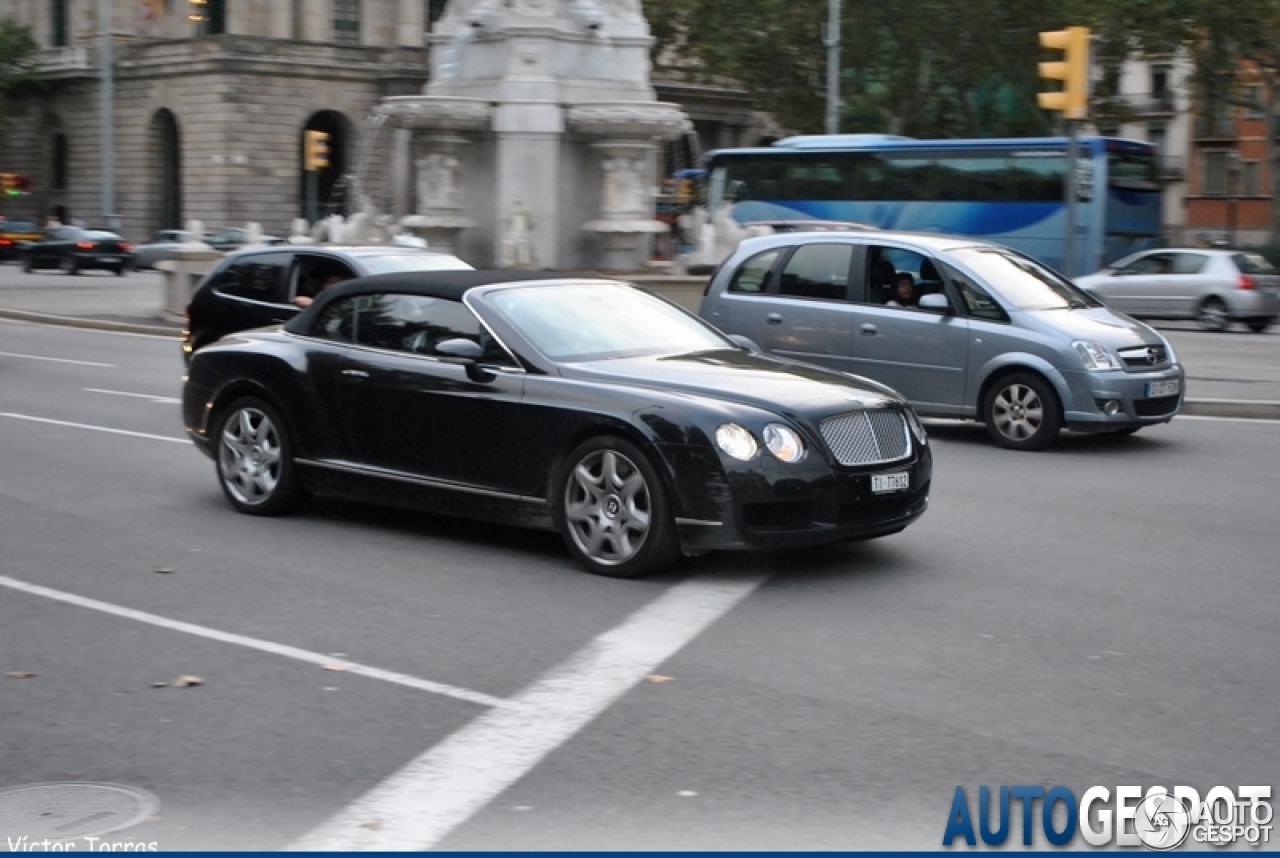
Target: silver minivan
point(963, 328)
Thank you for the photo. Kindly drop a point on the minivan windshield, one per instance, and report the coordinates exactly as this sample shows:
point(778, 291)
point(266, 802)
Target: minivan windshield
point(1021, 283)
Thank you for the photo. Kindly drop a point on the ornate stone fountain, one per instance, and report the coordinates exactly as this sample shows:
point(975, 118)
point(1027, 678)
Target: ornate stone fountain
point(537, 142)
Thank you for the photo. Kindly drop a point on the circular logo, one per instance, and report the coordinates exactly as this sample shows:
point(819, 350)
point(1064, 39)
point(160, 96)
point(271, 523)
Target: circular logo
point(1162, 821)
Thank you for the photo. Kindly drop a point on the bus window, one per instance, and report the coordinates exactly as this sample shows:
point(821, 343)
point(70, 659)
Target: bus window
point(1037, 177)
point(972, 178)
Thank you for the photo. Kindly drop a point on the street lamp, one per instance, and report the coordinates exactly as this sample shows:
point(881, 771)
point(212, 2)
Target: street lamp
point(1233, 191)
point(832, 43)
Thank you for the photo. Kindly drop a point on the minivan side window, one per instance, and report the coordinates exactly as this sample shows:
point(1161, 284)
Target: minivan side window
point(752, 277)
point(818, 271)
point(977, 300)
point(262, 277)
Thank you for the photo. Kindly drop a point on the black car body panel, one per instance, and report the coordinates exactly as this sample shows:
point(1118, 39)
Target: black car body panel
point(73, 250)
point(437, 434)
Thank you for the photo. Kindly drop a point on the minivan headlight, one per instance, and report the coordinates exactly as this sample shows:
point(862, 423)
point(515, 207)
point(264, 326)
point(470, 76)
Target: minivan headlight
point(1094, 356)
point(783, 443)
point(736, 441)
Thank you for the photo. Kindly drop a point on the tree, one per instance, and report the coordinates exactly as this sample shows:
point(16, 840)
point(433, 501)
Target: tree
point(17, 48)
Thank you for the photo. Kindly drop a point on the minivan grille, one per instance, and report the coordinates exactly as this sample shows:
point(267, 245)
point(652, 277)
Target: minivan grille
point(866, 437)
point(1145, 357)
point(1155, 407)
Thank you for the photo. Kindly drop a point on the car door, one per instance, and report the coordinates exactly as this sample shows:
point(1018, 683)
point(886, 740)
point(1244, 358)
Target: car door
point(793, 301)
point(407, 409)
point(254, 292)
point(923, 354)
point(1142, 286)
point(1188, 281)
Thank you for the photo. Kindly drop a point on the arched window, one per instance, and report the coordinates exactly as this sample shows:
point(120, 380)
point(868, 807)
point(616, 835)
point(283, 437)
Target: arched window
point(58, 171)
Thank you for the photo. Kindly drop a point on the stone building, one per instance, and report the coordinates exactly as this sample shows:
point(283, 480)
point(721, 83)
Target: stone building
point(209, 102)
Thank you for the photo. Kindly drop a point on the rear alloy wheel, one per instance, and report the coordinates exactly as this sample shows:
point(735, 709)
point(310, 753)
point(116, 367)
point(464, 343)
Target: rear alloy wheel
point(1212, 315)
point(1022, 412)
point(612, 510)
point(254, 455)
point(1259, 325)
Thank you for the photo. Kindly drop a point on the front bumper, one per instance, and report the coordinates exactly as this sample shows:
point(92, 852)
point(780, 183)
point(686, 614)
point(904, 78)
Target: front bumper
point(779, 506)
point(1102, 401)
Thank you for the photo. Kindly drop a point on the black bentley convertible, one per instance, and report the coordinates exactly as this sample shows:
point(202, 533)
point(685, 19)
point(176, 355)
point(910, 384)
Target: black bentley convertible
point(584, 405)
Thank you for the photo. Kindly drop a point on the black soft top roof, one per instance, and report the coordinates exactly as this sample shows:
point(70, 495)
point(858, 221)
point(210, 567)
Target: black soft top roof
point(451, 285)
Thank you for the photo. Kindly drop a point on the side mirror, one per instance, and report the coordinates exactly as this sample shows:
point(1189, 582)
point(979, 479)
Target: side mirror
point(935, 301)
point(465, 353)
point(746, 343)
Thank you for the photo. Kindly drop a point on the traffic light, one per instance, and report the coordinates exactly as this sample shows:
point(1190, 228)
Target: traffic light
point(8, 187)
point(315, 150)
point(1073, 70)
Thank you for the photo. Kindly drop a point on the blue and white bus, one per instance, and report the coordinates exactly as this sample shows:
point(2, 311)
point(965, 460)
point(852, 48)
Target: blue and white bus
point(1010, 191)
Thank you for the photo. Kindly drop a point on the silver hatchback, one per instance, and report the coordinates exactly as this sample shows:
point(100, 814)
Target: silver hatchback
point(963, 328)
point(1213, 287)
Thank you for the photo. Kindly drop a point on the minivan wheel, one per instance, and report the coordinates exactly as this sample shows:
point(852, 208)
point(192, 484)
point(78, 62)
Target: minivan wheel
point(1212, 315)
point(611, 507)
point(1022, 412)
point(254, 456)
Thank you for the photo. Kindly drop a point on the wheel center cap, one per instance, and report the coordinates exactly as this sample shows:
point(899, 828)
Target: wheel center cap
point(612, 506)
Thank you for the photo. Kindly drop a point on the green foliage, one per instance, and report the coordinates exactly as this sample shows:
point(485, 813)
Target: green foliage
point(948, 68)
point(17, 48)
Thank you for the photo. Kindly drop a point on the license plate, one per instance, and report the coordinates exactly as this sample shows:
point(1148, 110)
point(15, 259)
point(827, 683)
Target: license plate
point(881, 483)
point(108, 258)
point(1162, 388)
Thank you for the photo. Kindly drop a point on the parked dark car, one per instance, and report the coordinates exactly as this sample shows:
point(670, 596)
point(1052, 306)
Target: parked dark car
point(261, 286)
point(14, 235)
point(73, 250)
point(587, 406)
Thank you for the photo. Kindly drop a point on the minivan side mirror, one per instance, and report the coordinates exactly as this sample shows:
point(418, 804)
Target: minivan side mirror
point(935, 301)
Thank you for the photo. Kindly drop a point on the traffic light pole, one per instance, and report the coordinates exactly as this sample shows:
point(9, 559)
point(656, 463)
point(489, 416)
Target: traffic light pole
point(1073, 195)
point(312, 192)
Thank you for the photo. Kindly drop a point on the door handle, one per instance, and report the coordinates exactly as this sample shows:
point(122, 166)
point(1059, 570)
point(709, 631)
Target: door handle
point(869, 330)
point(773, 319)
point(355, 373)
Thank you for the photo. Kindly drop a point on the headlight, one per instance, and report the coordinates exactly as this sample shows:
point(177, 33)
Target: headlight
point(1094, 356)
point(917, 428)
point(783, 443)
point(1173, 356)
point(736, 442)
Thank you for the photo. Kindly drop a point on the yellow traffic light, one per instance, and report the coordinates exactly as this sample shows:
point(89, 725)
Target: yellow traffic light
point(315, 150)
point(1073, 70)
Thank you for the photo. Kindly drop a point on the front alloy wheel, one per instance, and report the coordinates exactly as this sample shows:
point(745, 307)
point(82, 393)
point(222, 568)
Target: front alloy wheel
point(255, 459)
point(612, 510)
point(1022, 413)
point(1212, 315)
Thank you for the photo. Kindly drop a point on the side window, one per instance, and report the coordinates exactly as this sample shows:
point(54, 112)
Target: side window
point(753, 275)
point(261, 277)
point(898, 277)
point(316, 272)
point(1155, 263)
point(413, 323)
point(339, 322)
point(818, 271)
point(1188, 263)
point(976, 299)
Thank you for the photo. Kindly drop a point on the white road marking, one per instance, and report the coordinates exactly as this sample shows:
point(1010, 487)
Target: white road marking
point(57, 360)
point(254, 643)
point(420, 804)
point(150, 397)
point(146, 435)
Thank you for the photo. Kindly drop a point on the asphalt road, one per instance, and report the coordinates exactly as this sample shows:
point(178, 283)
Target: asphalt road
point(1101, 613)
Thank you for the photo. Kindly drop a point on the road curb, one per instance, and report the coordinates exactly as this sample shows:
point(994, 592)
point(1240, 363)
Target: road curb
point(157, 329)
point(1247, 409)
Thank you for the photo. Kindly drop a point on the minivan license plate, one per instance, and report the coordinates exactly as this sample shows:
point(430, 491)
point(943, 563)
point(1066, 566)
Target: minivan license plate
point(881, 483)
point(1162, 388)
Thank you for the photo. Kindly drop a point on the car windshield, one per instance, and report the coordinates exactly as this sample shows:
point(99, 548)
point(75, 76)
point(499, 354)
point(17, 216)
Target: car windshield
point(1022, 283)
point(596, 321)
point(412, 262)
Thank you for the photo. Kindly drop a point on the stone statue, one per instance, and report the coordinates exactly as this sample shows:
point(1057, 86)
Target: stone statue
point(623, 186)
point(439, 182)
point(516, 249)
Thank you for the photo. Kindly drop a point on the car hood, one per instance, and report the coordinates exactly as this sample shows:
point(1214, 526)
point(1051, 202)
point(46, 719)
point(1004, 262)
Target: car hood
point(1096, 323)
point(742, 377)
